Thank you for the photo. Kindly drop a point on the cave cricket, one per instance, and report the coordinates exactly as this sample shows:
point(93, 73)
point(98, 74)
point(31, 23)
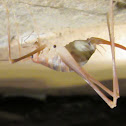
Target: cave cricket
point(74, 55)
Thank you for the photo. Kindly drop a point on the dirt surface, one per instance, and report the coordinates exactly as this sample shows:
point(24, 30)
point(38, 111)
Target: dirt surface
point(63, 111)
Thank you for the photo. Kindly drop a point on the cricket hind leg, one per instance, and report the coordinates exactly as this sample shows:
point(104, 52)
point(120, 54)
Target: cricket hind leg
point(69, 60)
point(110, 23)
point(65, 55)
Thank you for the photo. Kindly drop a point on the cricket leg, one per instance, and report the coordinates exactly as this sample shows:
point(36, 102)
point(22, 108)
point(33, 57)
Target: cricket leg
point(69, 60)
point(110, 22)
point(19, 46)
point(9, 46)
point(17, 31)
point(28, 55)
point(8, 30)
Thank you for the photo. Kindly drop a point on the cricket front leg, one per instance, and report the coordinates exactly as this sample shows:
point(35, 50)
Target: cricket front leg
point(69, 60)
point(28, 55)
point(9, 42)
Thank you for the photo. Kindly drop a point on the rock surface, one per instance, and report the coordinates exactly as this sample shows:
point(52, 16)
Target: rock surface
point(58, 17)
point(59, 21)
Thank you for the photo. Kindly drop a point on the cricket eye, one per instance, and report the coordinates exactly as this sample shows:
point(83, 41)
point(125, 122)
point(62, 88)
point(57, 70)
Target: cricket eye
point(54, 46)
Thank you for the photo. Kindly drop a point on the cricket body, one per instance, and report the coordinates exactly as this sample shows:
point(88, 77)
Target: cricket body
point(80, 50)
point(74, 55)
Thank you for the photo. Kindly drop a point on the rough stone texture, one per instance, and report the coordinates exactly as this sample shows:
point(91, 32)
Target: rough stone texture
point(58, 17)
